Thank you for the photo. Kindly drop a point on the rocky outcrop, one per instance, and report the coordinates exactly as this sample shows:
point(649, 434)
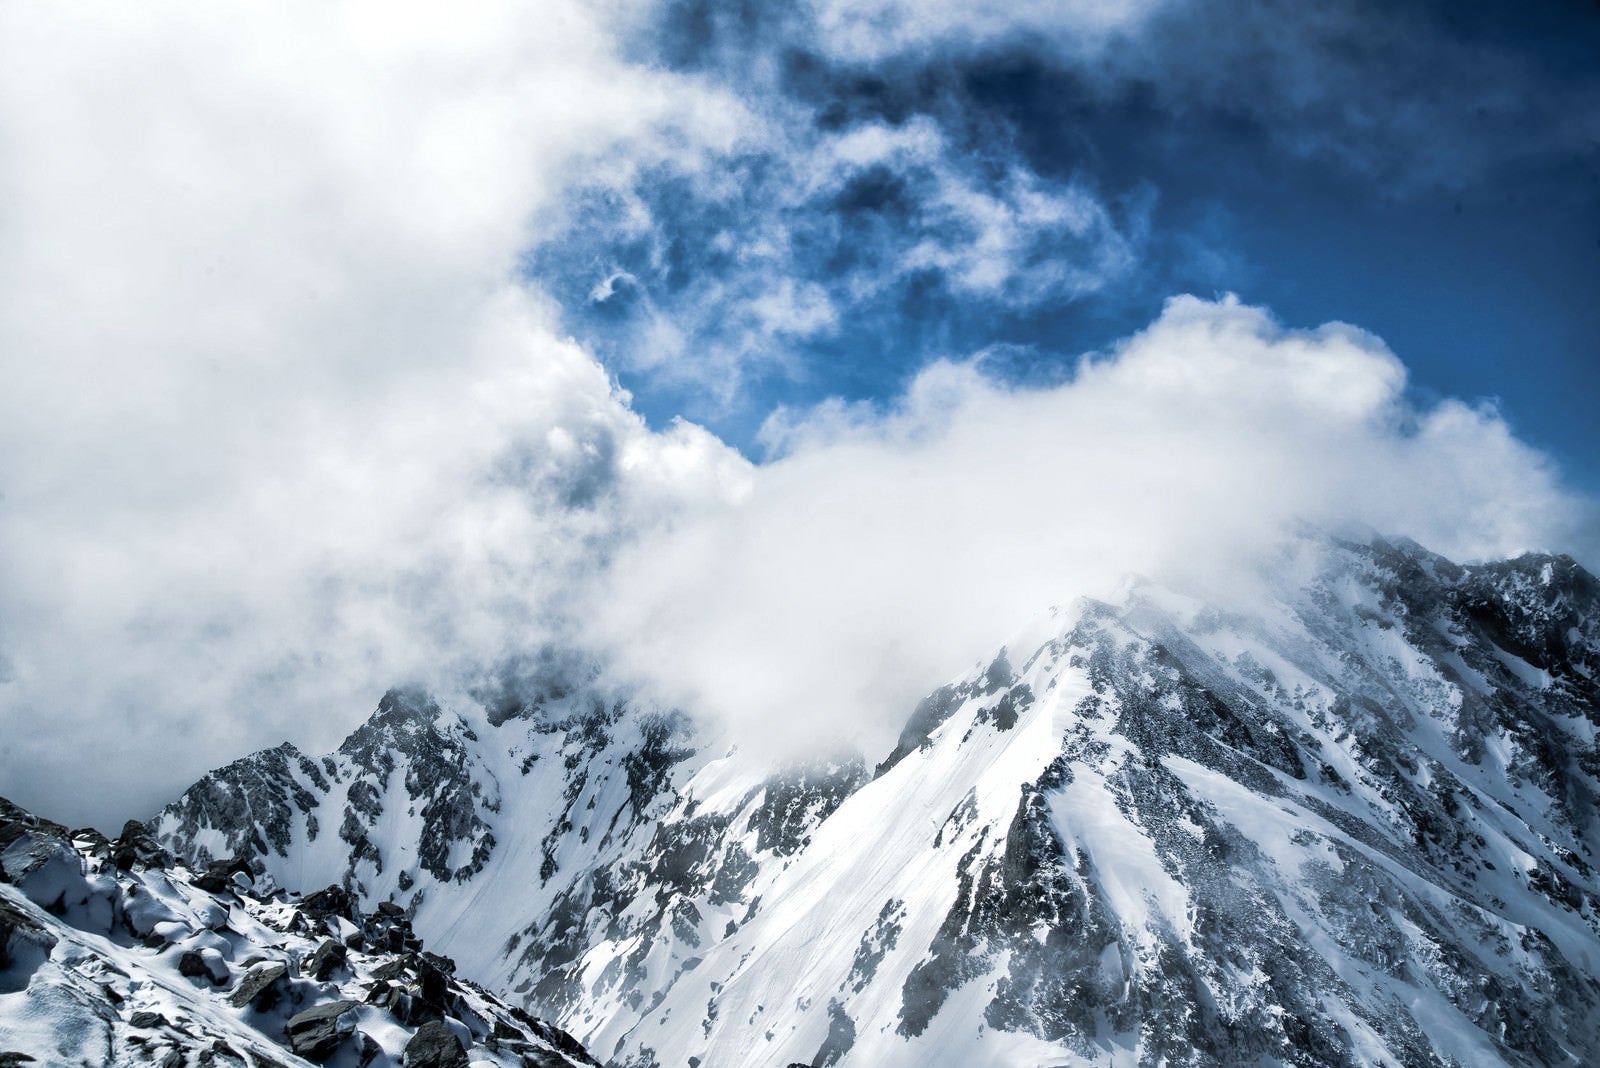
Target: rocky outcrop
point(138, 964)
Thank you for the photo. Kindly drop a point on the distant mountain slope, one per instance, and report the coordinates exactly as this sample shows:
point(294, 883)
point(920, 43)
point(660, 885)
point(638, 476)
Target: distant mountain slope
point(1354, 825)
point(112, 955)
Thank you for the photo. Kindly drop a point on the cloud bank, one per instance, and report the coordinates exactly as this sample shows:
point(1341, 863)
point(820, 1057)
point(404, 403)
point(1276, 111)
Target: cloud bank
point(887, 550)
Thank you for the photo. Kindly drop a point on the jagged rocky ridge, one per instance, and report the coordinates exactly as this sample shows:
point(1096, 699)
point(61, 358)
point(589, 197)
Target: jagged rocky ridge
point(112, 954)
point(1353, 825)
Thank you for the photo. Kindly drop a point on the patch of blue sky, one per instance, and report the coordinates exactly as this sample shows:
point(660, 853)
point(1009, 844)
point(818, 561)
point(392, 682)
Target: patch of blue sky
point(1431, 174)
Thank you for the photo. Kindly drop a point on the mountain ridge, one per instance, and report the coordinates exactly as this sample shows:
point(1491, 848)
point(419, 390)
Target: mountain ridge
point(1354, 824)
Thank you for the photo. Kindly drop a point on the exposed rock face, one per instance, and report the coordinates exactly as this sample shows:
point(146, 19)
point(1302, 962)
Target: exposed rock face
point(578, 784)
point(133, 969)
point(1353, 823)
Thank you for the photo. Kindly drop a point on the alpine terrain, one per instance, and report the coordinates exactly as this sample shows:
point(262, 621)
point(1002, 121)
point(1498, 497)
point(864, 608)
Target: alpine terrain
point(1353, 824)
point(113, 955)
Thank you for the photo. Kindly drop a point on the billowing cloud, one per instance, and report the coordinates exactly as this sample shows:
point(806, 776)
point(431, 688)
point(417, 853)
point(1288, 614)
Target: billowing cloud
point(279, 421)
point(888, 550)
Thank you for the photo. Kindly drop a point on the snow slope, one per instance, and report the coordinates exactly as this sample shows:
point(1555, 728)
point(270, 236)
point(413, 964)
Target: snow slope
point(1353, 825)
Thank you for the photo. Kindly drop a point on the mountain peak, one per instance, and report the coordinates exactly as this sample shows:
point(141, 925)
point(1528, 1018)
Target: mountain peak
point(1345, 820)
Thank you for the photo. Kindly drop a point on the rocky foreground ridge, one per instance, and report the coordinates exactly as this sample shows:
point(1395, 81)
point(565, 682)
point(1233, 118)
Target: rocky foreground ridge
point(112, 954)
point(1352, 822)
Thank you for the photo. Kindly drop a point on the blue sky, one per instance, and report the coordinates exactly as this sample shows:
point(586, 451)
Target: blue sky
point(1429, 173)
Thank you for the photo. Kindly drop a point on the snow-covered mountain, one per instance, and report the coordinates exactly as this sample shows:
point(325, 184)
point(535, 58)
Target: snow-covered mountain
point(112, 955)
point(1354, 824)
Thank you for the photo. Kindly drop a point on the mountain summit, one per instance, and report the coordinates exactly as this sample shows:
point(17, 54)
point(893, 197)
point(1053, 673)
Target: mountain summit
point(1353, 824)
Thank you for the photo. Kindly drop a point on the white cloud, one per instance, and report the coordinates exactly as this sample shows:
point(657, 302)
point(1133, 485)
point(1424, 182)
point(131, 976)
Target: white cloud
point(279, 425)
point(1022, 240)
point(887, 551)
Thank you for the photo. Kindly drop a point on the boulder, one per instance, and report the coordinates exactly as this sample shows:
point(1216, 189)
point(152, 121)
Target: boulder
point(317, 1033)
point(219, 1049)
point(211, 915)
point(329, 956)
point(331, 901)
point(390, 969)
point(218, 876)
point(190, 966)
point(92, 841)
point(217, 965)
point(432, 985)
point(435, 1046)
point(342, 929)
point(386, 995)
point(144, 912)
point(137, 846)
point(260, 986)
point(204, 963)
